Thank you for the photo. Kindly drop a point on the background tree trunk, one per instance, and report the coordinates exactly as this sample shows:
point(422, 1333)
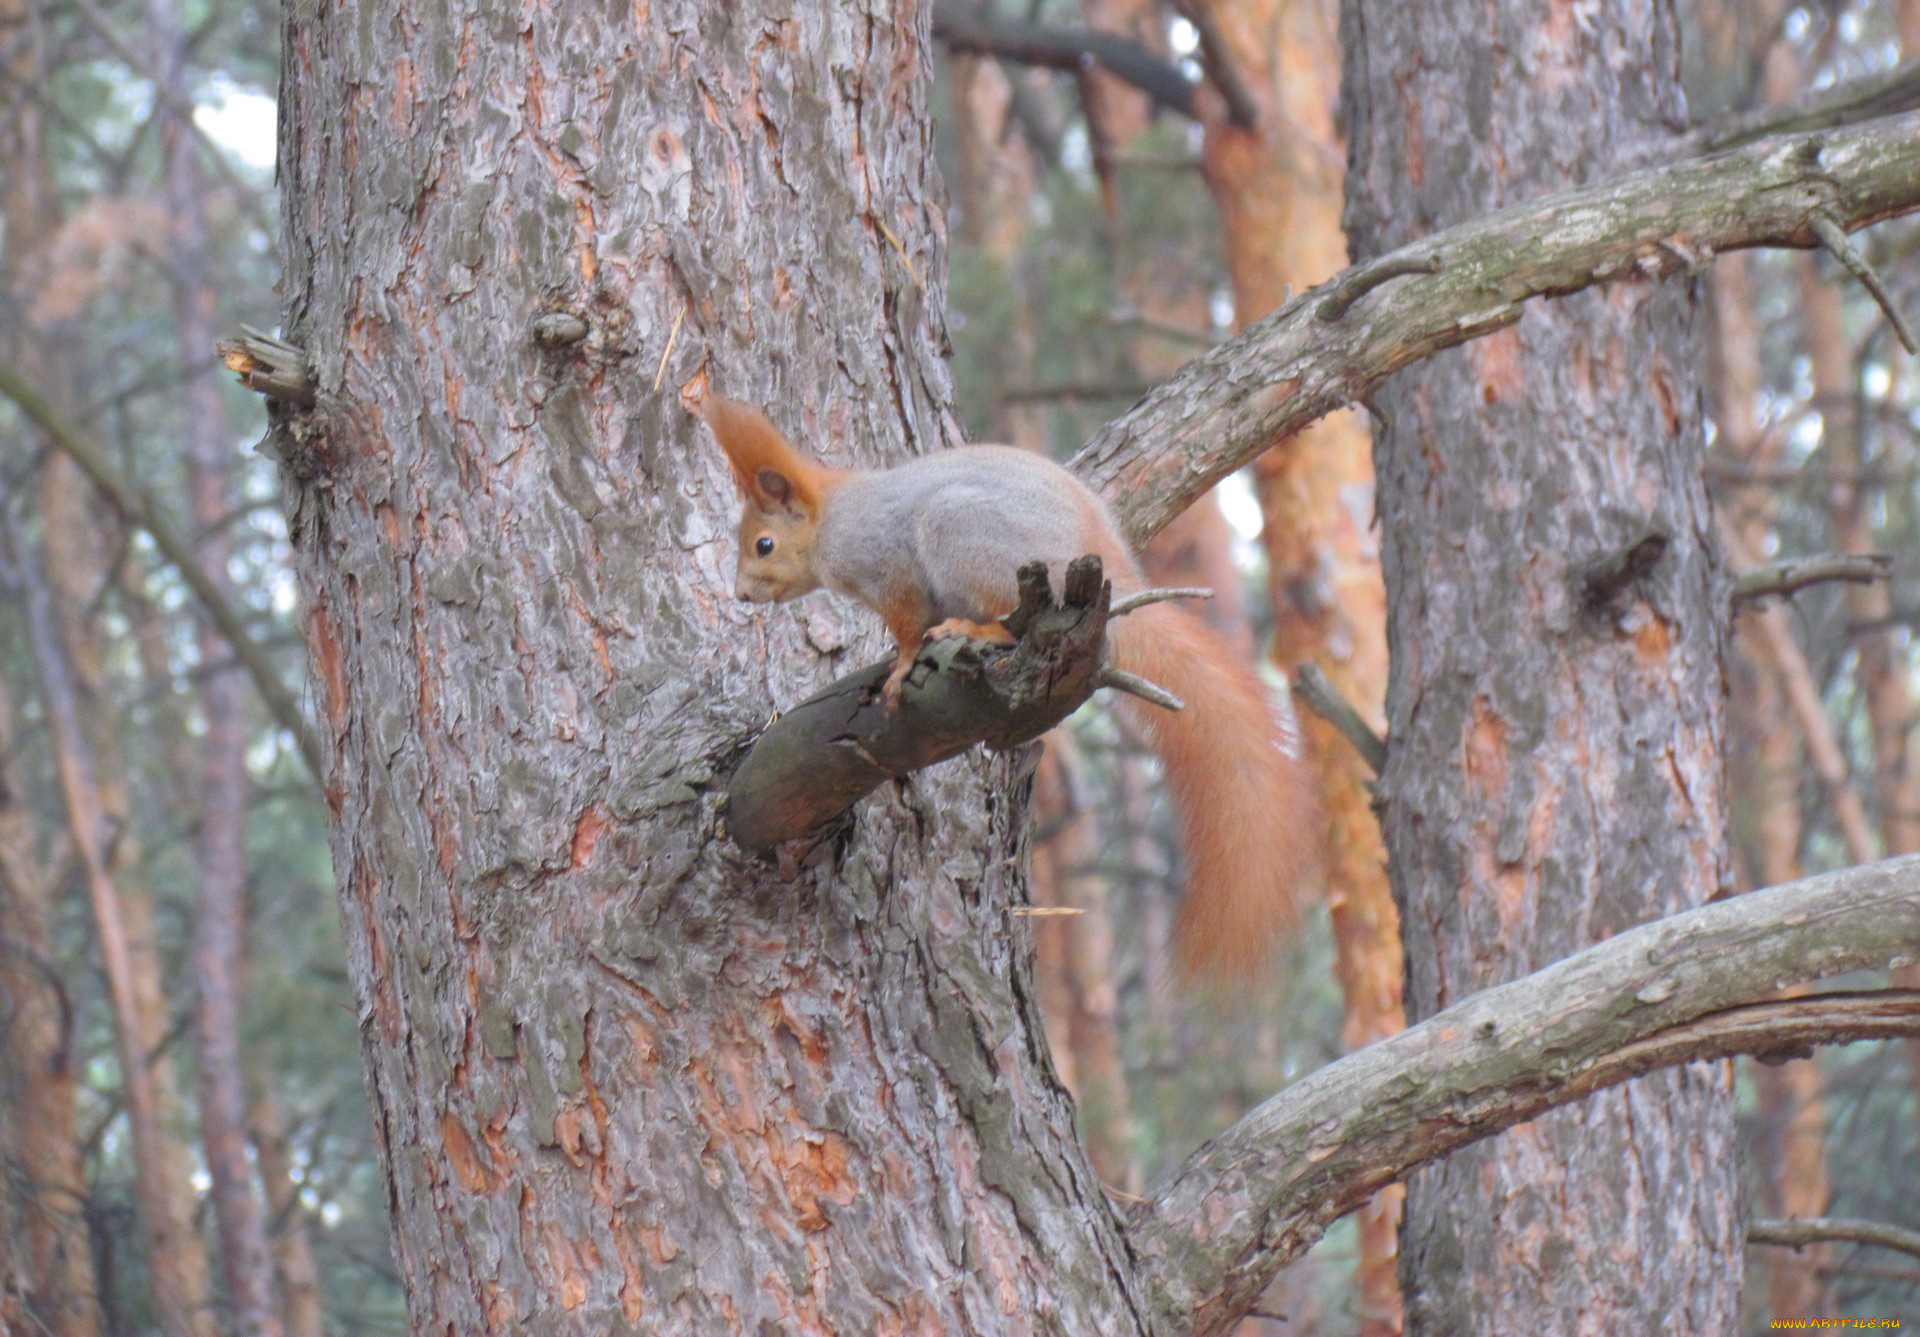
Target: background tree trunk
point(41, 1176)
point(220, 915)
point(1555, 770)
point(43, 1187)
point(1277, 186)
point(624, 1076)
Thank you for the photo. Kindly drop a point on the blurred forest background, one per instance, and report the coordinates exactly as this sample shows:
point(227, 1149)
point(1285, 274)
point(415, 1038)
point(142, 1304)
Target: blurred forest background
point(166, 904)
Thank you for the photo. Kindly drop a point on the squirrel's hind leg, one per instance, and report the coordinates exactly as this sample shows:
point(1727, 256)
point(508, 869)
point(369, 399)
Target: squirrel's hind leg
point(955, 627)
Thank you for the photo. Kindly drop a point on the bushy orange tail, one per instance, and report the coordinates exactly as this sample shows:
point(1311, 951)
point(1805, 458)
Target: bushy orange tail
point(1249, 816)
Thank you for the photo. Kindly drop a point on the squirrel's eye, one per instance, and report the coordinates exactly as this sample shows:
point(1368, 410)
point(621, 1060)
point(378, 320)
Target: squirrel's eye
point(764, 547)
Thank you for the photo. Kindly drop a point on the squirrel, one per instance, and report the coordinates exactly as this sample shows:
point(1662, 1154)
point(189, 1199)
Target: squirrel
point(934, 545)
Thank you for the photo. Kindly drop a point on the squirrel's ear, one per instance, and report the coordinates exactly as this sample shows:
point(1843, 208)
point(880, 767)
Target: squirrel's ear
point(773, 490)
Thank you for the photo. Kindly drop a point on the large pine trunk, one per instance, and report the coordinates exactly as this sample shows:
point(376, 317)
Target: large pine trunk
point(624, 1077)
point(1557, 634)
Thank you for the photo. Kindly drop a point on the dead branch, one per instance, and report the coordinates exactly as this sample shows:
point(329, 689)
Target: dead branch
point(824, 755)
point(1834, 238)
point(1232, 403)
point(979, 31)
point(1135, 685)
point(1797, 1234)
point(1696, 985)
point(1314, 690)
point(272, 366)
point(1796, 573)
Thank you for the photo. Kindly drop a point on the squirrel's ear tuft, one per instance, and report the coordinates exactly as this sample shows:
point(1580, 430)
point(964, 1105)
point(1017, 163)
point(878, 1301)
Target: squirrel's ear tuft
point(765, 465)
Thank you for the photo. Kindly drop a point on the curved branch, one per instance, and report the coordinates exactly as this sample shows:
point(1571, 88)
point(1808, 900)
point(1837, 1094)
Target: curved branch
point(1230, 404)
point(1797, 1234)
point(824, 755)
point(1796, 573)
point(980, 32)
point(1683, 988)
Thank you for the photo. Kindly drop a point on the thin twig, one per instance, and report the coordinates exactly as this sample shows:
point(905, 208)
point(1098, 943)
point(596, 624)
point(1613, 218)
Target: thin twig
point(1141, 598)
point(1798, 1233)
point(1316, 692)
point(1041, 394)
point(1045, 911)
point(899, 246)
point(1861, 568)
point(1135, 685)
point(1127, 317)
point(1363, 279)
point(1834, 238)
point(660, 373)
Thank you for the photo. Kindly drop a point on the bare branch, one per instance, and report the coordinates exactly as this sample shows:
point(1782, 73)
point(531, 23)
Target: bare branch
point(1135, 685)
point(1313, 689)
point(821, 757)
point(1795, 573)
point(1683, 988)
point(1775, 641)
point(1834, 238)
point(1121, 607)
point(1216, 57)
point(982, 32)
point(140, 511)
point(1796, 1234)
point(1230, 404)
point(1860, 99)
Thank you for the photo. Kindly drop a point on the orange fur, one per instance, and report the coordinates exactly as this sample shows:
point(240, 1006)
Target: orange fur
point(754, 444)
point(1248, 813)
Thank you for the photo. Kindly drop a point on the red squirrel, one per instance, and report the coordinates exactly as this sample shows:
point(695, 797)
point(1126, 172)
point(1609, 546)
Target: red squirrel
point(934, 544)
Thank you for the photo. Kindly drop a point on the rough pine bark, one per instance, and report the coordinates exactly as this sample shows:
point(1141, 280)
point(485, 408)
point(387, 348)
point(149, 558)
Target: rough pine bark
point(625, 1078)
point(1555, 628)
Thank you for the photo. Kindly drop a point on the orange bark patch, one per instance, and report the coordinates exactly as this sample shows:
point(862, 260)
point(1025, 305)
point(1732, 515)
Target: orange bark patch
point(501, 1313)
point(323, 643)
point(472, 1166)
point(810, 1038)
point(1486, 747)
point(1496, 361)
point(1667, 395)
point(815, 1169)
point(1653, 643)
point(586, 834)
point(1279, 392)
point(404, 89)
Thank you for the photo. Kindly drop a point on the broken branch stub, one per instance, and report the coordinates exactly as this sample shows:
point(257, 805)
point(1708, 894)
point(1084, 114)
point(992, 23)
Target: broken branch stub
point(824, 755)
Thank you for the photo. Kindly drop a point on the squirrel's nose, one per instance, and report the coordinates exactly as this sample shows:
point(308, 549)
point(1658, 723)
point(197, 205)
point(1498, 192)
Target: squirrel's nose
point(743, 596)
